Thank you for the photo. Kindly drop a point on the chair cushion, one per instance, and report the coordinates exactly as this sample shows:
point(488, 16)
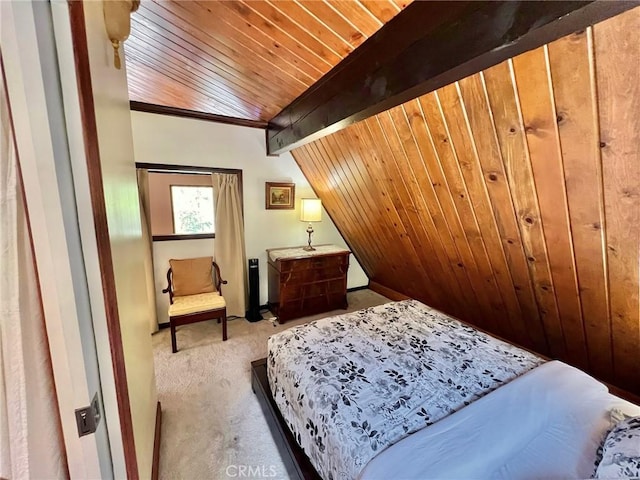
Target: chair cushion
point(192, 276)
point(196, 303)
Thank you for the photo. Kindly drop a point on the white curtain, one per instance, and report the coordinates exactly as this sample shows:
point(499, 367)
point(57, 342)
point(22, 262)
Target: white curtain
point(229, 244)
point(147, 238)
point(31, 444)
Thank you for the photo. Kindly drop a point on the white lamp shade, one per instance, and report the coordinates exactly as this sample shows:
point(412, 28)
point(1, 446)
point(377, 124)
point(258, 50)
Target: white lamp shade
point(311, 210)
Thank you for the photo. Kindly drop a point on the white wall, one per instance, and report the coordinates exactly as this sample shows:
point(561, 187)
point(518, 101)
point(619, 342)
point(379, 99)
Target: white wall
point(184, 141)
point(125, 233)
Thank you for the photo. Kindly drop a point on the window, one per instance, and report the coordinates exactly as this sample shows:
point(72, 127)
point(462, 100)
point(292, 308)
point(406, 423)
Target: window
point(192, 208)
point(181, 200)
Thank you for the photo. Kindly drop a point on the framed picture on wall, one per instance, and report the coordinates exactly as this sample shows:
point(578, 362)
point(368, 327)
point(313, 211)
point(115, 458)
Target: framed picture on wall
point(280, 196)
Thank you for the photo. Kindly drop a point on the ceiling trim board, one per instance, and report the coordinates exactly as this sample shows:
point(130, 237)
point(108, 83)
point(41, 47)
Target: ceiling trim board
point(182, 112)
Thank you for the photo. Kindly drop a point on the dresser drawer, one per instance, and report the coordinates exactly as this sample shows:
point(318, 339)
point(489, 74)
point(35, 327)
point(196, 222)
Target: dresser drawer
point(308, 285)
point(297, 277)
point(312, 289)
point(301, 307)
point(335, 262)
point(312, 275)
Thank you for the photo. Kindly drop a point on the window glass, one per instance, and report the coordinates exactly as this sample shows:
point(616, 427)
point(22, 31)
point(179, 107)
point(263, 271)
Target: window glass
point(192, 209)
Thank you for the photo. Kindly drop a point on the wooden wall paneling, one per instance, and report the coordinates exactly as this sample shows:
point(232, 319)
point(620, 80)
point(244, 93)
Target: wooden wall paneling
point(385, 171)
point(306, 160)
point(573, 76)
point(412, 169)
point(310, 24)
point(195, 99)
point(264, 51)
point(419, 261)
point(510, 130)
point(375, 229)
point(403, 262)
point(526, 174)
point(406, 198)
point(170, 95)
point(173, 68)
point(190, 52)
point(480, 123)
point(212, 44)
point(383, 11)
point(335, 22)
point(617, 59)
point(441, 165)
point(172, 85)
point(418, 275)
point(383, 165)
point(353, 174)
point(359, 202)
point(387, 292)
point(286, 33)
point(459, 191)
point(268, 38)
point(355, 216)
point(331, 161)
point(424, 219)
point(360, 17)
point(161, 52)
point(532, 76)
point(455, 278)
point(351, 217)
point(488, 244)
point(225, 22)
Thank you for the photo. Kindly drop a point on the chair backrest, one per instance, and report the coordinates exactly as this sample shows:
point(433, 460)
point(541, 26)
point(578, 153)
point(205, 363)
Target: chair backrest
point(192, 276)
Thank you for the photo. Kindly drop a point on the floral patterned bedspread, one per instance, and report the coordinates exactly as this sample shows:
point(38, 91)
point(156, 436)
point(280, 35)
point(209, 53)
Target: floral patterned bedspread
point(352, 385)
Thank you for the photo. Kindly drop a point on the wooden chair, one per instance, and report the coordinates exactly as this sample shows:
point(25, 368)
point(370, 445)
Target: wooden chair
point(195, 294)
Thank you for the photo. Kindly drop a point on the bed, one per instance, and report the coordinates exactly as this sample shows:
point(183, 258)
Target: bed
point(404, 391)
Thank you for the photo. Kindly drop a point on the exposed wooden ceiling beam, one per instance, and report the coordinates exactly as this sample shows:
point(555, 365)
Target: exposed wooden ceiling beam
point(428, 45)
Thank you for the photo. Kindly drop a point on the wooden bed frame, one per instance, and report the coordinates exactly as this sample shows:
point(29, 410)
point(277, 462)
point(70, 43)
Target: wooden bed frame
point(295, 461)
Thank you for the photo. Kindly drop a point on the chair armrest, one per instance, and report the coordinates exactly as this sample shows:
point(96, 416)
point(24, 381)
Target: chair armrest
point(222, 282)
point(168, 289)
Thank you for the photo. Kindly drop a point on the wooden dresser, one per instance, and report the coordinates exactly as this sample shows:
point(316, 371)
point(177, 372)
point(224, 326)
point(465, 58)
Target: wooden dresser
point(304, 283)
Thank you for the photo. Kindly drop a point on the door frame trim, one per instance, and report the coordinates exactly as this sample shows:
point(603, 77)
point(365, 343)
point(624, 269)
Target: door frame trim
point(92, 152)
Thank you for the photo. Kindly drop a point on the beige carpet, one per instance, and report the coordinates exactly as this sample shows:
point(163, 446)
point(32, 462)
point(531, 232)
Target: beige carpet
point(212, 425)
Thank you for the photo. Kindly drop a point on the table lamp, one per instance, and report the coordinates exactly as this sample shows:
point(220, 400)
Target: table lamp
point(311, 211)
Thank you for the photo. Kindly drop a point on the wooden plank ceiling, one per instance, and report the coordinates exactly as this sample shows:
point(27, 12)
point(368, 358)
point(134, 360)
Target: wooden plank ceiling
point(510, 199)
point(243, 59)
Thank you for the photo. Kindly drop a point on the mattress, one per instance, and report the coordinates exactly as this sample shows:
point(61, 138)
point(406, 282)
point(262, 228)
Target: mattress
point(546, 424)
point(350, 386)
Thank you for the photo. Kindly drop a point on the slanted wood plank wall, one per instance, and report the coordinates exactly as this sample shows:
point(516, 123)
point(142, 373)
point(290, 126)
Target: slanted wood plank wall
point(510, 199)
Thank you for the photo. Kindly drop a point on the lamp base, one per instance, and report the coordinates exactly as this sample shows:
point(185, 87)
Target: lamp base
point(309, 248)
